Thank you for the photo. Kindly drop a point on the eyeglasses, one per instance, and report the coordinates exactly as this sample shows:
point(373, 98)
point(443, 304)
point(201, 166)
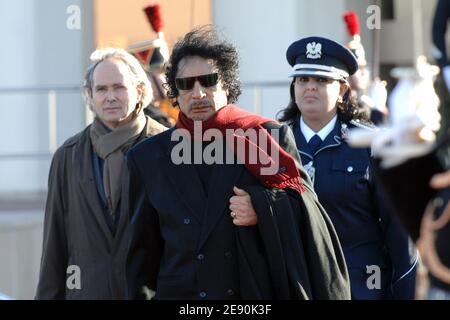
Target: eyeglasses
point(207, 80)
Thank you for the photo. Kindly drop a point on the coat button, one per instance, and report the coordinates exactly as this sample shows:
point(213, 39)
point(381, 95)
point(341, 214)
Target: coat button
point(228, 254)
point(200, 257)
point(349, 169)
point(202, 294)
point(187, 221)
point(230, 292)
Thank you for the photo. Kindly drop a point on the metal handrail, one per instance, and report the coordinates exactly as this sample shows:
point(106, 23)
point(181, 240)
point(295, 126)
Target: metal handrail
point(34, 90)
point(266, 83)
point(26, 156)
point(51, 92)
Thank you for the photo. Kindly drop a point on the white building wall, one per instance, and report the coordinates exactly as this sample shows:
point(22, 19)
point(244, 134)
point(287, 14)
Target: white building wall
point(39, 53)
point(409, 34)
point(20, 253)
point(262, 30)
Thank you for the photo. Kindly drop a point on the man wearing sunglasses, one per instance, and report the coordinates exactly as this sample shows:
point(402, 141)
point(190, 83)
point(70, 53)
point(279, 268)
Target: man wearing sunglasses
point(204, 229)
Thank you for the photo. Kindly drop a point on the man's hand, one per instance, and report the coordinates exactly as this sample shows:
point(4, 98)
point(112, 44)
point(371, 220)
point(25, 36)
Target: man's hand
point(440, 180)
point(241, 208)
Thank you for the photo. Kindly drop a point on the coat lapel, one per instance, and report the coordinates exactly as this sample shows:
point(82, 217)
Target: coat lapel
point(124, 207)
point(187, 185)
point(333, 139)
point(85, 173)
point(223, 178)
point(152, 128)
point(302, 145)
point(188, 188)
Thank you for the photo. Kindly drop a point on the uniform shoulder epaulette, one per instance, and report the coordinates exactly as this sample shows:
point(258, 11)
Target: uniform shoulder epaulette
point(363, 124)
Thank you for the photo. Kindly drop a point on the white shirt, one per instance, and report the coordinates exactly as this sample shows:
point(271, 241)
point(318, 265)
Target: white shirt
point(308, 133)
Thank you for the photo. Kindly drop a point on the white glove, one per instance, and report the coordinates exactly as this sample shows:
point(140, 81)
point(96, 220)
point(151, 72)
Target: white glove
point(446, 75)
point(396, 144)
point(414, 119)
point(378, 93)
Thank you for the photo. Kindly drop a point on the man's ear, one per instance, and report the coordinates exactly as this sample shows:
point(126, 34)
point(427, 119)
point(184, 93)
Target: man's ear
point(88, 98)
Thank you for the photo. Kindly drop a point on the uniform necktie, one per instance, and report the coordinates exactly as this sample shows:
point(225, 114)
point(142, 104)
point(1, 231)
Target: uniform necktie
point(314, 144)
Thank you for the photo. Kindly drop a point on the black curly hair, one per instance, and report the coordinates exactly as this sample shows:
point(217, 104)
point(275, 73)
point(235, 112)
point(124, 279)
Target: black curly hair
point(346, 111)
point(204, 42)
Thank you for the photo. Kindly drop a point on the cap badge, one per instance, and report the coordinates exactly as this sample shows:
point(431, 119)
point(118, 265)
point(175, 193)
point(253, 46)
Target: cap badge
point(314, 50)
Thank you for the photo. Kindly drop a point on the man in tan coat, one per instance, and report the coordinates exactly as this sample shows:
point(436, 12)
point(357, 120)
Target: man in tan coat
point(85, 227)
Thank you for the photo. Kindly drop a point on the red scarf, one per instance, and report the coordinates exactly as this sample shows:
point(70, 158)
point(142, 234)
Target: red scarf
point(231, 117)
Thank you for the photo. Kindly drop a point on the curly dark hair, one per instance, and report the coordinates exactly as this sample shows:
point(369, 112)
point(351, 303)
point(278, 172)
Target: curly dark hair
point(346, 111)
point(204, 42)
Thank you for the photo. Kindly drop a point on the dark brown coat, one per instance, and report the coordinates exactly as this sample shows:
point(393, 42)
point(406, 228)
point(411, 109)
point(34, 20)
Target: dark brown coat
point(75, 229)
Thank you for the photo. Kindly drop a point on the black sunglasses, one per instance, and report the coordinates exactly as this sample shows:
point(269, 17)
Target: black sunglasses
point(206, 80)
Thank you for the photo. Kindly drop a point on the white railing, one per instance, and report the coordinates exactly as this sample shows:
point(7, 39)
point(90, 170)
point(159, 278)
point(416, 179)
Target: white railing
point(52, 93)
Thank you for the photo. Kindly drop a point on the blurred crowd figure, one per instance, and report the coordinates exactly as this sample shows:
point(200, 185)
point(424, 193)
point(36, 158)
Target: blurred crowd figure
point(442, 85)
point(368, 90)
point(412, 167)
point(419, 188)
point(153, 55)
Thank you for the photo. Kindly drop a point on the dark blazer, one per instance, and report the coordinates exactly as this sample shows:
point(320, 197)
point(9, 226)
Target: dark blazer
point(75, 228)
point(408, 187)
point(365, 224)
point(184, 245)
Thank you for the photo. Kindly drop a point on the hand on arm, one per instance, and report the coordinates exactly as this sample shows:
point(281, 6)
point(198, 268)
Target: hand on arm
point(440, 180)
point(241, 208)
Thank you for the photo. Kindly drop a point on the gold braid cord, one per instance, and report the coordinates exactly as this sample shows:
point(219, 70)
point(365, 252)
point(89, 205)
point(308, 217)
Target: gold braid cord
point(427, 240)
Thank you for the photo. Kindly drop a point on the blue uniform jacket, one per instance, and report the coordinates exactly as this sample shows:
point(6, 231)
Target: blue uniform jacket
point(369, 235)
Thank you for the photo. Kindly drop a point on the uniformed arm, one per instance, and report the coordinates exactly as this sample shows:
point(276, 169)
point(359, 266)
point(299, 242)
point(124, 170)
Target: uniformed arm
point(52, 277)
point(145, 241)
point(441, 16)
